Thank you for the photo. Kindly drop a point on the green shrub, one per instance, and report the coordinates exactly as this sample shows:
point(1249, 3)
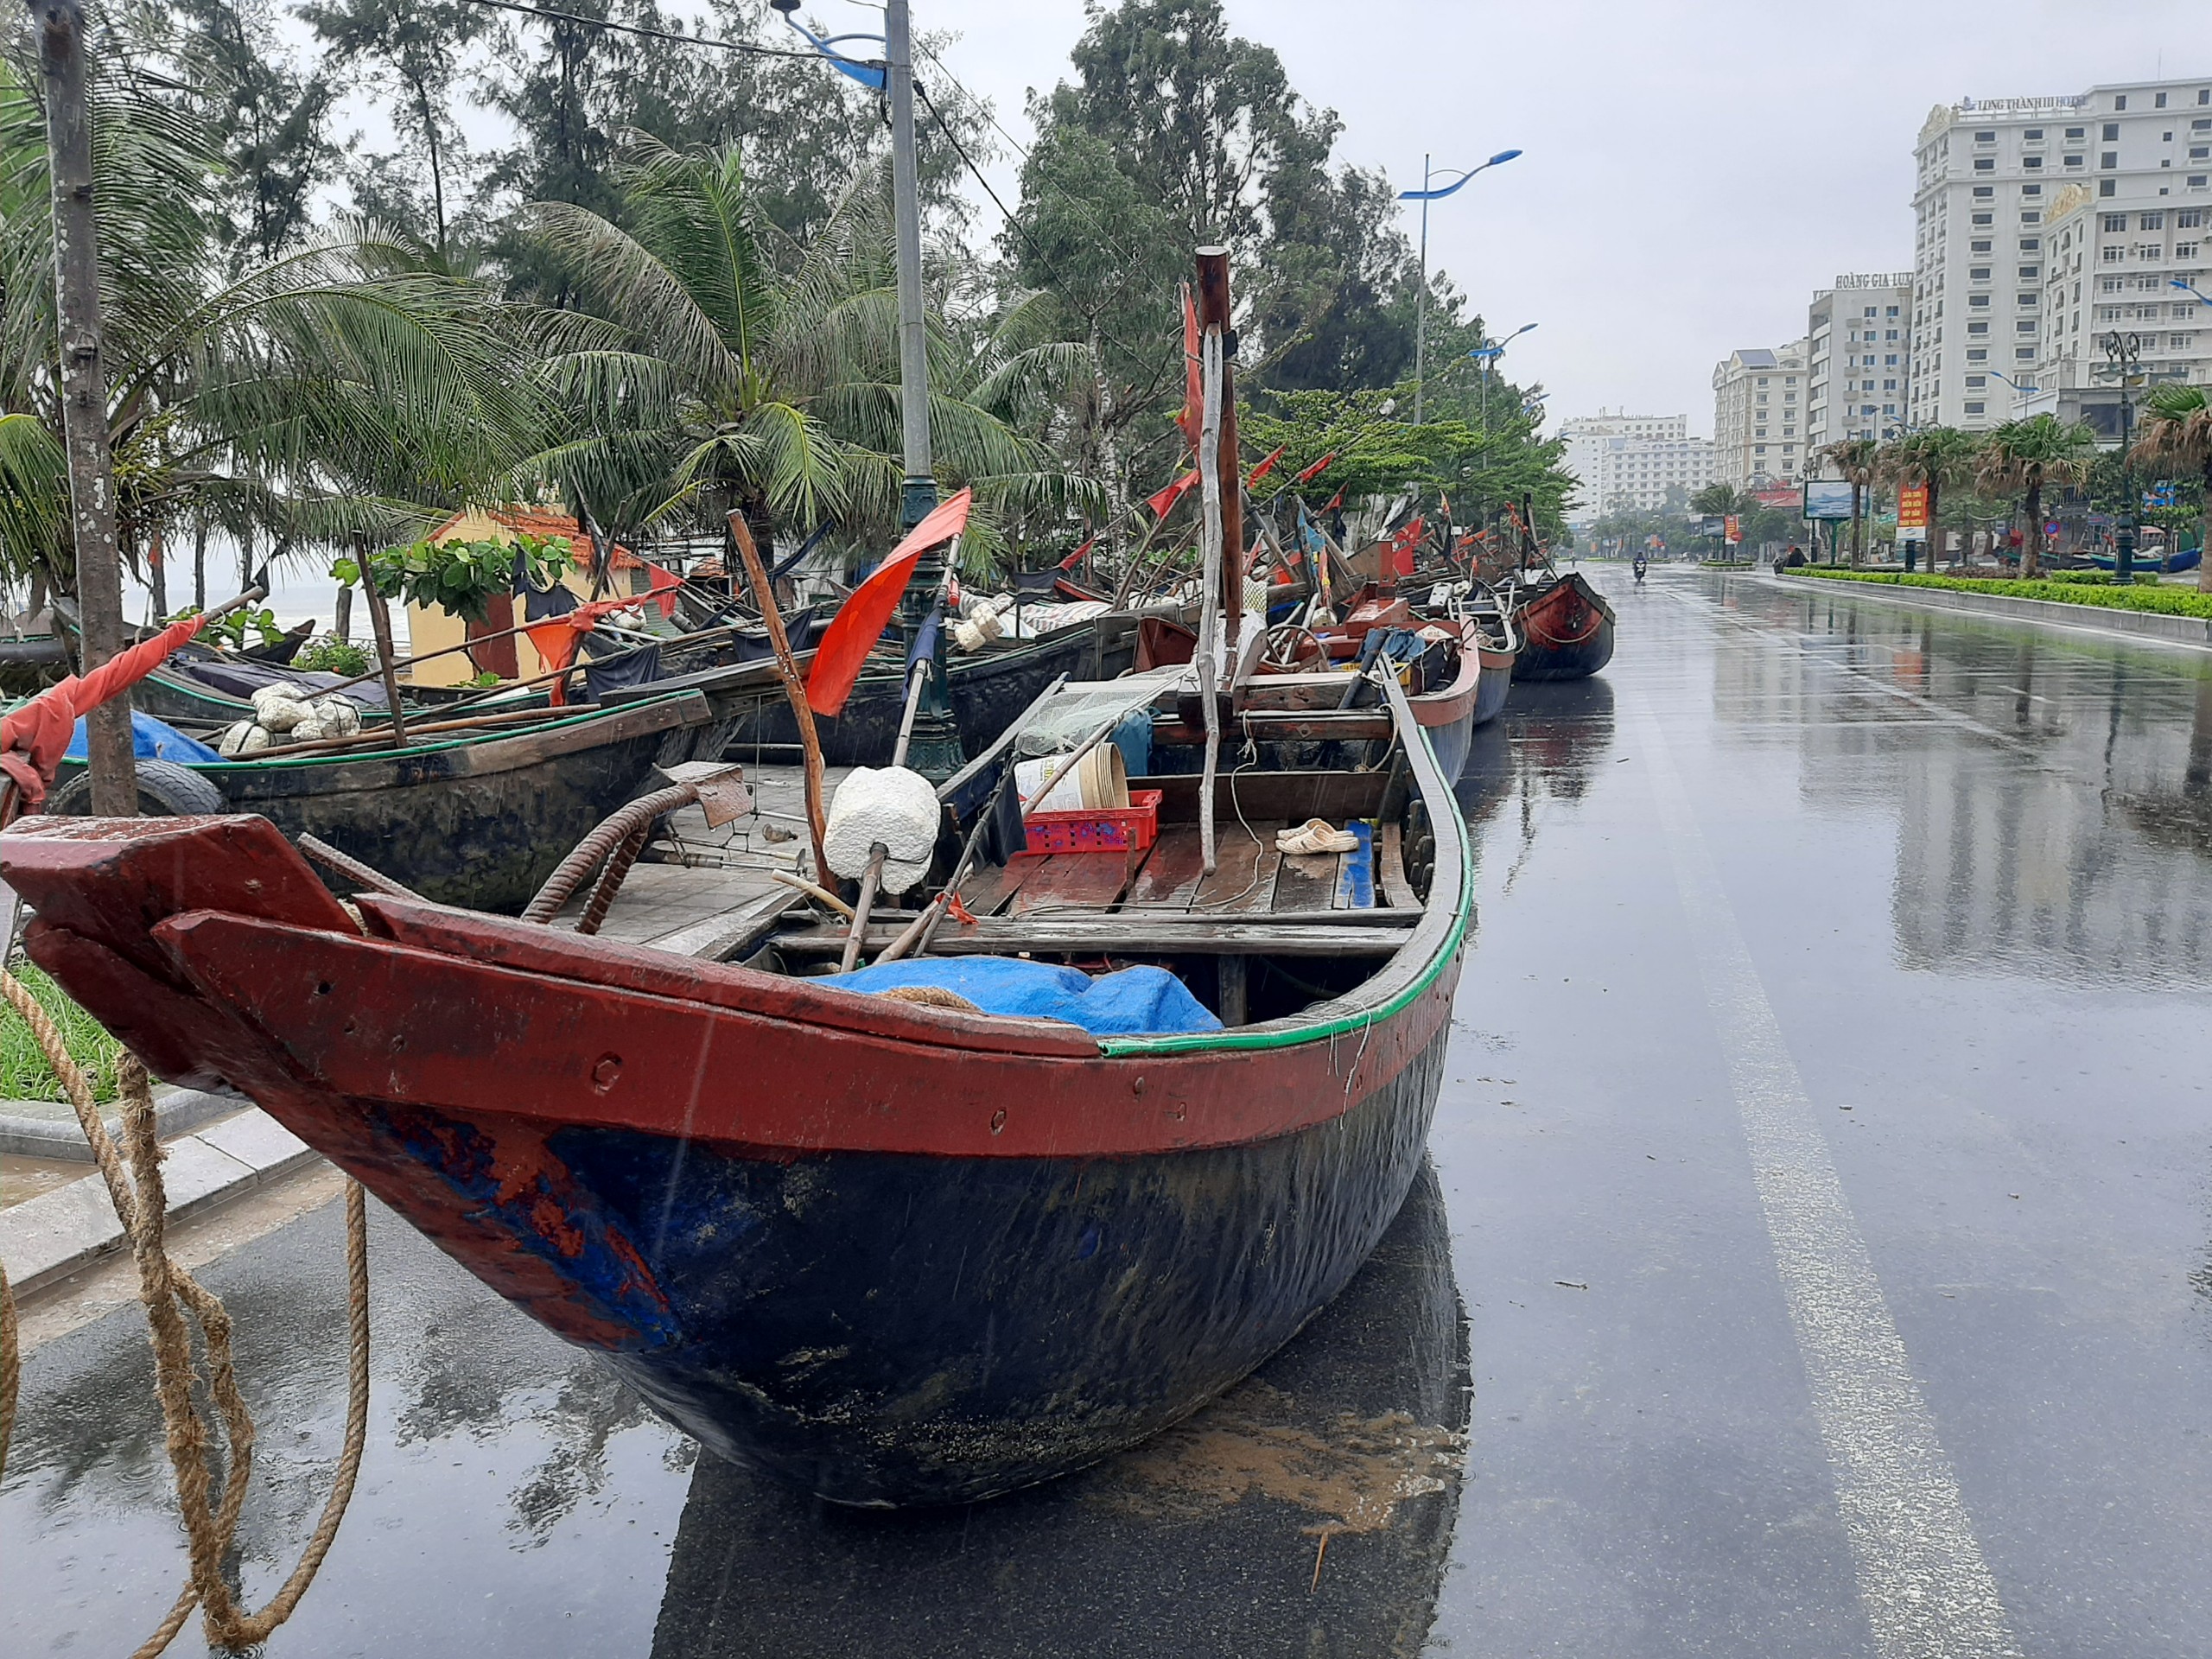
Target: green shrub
point(327, 654)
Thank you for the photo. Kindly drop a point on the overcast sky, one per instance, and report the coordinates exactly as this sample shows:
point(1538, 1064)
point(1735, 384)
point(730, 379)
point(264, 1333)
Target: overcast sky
point(1693, 170)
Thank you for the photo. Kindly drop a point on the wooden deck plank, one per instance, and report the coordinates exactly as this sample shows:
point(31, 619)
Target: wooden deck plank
point(1093, 935)
point(1307, 883)
point(1244, 871)
point(986, 891)
point(1075, 881)
point(1356, 875)
point(1171, 874)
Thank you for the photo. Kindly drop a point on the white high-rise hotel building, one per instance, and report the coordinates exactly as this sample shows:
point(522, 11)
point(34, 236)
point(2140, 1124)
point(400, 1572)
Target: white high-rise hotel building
point(1633, 462)
point(1986, 308)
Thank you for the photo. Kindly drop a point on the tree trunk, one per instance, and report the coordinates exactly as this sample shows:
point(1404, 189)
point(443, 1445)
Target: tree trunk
point(1935, 523)
point(157, 573)
point(1857, 536)
point(341, 614)
point(2031, 541)
point(2204, 533)
point(84, 394)
point(199, 567)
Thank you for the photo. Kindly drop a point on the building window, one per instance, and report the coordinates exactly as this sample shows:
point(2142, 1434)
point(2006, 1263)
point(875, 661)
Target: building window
point(2115, 222)
point(1985, 191)
point(1977, 382)
point(2024, 325)
point(2110, 158)
point(2025, 299)
point(1977, 328)
point(2074, 161)
point(1985, 138)
point(1978, 302)
point(2030, 219)
point(1974, 409)
point(2115, 255)
point(2108, 186)
point(2029, 273)
point(1974, 354)
point(1978, 247)
point(2189, 218)
point(2154, 221)
point(2159, 102)
point(1978, 274)
point(1982, 220)
point(2025, 353)
point(2199, 153)
point(2196, 181)
point(1985, 164)
point(2077, 132)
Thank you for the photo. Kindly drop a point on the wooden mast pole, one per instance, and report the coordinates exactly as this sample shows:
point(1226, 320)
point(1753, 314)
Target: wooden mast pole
point(1215, 315)
point(1212, 366)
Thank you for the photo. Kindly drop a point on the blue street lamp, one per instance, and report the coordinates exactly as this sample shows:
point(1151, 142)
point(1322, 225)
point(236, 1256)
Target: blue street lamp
point(870, 75)
point(1487, 355)
point(1430, 191)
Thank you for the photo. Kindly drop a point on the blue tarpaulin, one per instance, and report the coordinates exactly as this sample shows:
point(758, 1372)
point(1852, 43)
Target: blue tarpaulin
point(1132, 1002)
point(151, 740)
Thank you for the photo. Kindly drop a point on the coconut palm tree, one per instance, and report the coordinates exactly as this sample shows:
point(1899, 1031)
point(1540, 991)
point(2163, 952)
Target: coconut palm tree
point(2176, 426)
point(713, 365)
point(1854, 460)
point(342, 389)
point(2022, 457)
point(1936, 457)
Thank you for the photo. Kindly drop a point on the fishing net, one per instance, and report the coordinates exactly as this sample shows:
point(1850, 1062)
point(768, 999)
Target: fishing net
point(1081, 707)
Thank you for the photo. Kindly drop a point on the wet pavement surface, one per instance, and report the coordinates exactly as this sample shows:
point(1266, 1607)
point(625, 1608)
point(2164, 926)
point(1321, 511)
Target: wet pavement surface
point(1817, 1259)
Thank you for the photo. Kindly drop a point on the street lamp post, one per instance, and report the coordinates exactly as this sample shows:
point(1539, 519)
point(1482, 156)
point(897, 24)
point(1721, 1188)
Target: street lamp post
point(1429, 192)
point(2125, 352)
point(1486, 355)
point(934, 749)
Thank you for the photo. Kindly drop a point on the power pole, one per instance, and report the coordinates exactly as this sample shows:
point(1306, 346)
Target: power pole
point(84, 392)
point(935, 749)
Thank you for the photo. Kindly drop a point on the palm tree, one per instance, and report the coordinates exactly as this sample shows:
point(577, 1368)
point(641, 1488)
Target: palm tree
point(258, 401)
point(1935, 456)
point(2178, 436)
point(715, 366)
point(1855, 457)
point(2025, 456)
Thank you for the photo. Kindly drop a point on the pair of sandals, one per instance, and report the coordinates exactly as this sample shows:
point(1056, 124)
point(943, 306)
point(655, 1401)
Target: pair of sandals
point(1312, 836)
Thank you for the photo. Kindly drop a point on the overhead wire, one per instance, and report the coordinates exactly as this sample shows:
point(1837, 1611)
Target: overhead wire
point(748, 48)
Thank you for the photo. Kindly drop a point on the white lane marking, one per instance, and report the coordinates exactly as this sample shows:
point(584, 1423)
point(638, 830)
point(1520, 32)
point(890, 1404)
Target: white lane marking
point(1929, 1594)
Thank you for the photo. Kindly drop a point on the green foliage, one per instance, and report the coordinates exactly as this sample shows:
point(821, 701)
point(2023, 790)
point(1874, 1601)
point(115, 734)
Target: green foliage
point(2164, 600)
point(327, 654)
point(487, 678)
point(2091, 578)
point(24, 1074)
point(233, 627)
point(457, 576)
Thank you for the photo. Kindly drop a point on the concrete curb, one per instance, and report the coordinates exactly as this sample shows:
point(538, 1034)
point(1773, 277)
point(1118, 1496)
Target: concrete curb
point(58, 1233)
point(46, 1128)
point(2191, 632)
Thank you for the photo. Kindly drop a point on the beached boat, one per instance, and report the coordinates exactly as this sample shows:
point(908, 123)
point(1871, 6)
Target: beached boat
point(894, 1251)
point(479, 818)
point(1565, 627)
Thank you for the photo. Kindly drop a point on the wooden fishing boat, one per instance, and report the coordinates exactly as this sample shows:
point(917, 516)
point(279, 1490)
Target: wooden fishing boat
point(477, 819)
point(891, 1251)
point(1565, 627)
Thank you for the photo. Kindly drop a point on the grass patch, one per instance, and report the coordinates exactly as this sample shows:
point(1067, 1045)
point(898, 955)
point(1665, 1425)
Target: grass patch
point(24, 1074)
point(2164, 601)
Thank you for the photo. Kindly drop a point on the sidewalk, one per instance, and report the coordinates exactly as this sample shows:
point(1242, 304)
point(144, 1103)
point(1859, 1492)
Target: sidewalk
point(2193, 632)
point(46, 1239)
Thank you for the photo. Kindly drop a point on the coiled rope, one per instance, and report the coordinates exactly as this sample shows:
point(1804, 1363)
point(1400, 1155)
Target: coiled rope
point(209, 1512)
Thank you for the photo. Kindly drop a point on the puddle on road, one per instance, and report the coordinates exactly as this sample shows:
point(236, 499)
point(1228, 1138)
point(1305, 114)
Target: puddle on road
point(517, 1500)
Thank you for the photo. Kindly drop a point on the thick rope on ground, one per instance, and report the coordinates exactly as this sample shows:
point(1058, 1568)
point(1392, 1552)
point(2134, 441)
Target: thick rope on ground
point(211, 1521)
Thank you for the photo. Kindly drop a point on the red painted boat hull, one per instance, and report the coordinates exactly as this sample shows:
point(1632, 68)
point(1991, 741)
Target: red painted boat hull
point(892, 1254)
point(1567, 632)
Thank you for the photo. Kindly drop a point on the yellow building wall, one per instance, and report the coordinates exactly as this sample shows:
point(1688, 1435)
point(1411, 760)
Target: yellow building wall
point(431, 628)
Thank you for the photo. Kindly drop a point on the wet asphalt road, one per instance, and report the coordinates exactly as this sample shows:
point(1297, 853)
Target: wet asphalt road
point(1822, 1217)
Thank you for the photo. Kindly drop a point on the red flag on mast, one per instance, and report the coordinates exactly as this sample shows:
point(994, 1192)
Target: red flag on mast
point(1193, 414)
point(860, 620)
point(1316, 469)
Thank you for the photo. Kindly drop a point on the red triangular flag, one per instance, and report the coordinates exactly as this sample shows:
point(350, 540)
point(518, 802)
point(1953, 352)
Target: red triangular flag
point(1161, 501)
point(1264, 467)
point(860, 620)
point(1316, 469)
point(662, 590)
point(1194, 415)
point(1335, 501)
point(1076, 557)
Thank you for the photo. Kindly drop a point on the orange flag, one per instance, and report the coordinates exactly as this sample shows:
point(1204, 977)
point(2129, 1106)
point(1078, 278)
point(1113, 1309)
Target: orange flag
point(860, 620)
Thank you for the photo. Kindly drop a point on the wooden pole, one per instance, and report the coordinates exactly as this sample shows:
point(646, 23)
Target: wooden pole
point(1208, 658)
point(1215, 314)
point(380, 624)
point(794, 687)
point(84, 392)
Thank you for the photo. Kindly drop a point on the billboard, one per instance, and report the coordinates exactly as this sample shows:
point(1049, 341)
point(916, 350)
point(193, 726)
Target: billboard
point(1912, 513)
point(1735, 529)
point(1826, 499)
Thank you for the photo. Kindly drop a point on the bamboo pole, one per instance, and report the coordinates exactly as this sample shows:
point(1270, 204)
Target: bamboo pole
point(381, 623)
point(794, 687)
point(1207, 660)
point(1214, 314)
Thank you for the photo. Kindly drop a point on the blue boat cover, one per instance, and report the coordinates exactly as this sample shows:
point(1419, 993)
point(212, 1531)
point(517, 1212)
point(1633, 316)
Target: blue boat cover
point(1131, 1002)
point(151, 740)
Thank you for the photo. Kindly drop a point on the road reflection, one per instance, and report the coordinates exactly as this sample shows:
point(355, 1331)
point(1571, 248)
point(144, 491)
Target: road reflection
point(2051, 794)
point(1308, 1511)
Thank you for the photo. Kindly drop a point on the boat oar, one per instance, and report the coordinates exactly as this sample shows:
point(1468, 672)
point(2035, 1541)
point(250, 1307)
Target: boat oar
point(794, 687)
point(917, 673)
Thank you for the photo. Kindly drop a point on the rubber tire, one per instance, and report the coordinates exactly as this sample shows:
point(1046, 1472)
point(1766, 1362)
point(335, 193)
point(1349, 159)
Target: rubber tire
point(165, 791)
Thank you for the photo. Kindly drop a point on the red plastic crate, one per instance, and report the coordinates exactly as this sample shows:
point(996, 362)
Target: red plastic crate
point(1097, 829)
